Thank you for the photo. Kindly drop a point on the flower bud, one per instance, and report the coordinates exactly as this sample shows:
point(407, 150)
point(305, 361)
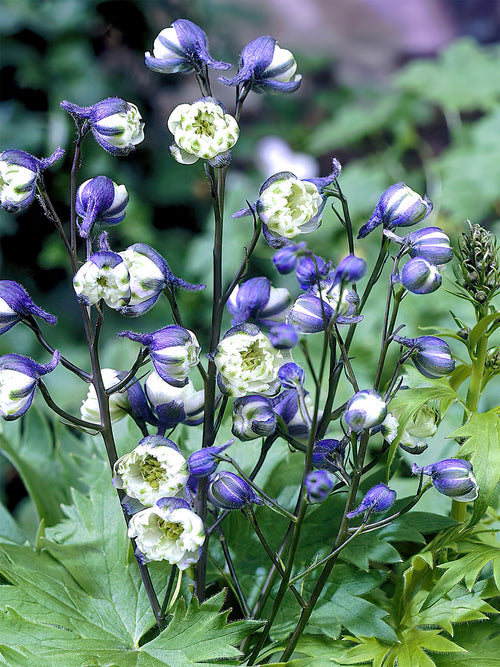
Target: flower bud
point(399, 206)
point(431, 355)
point(247, 363)
point(284, 336)
point(174, 405)
point(19, 378)
point(203, 462)
point(287, 407)
point(173, 351)
point(431, 243)
point(291, 376)
point(16, 305)
point(451, 477)
point(378, 499)
point(151, 471)
point(201, 130)
point(168, 531)
point(286, 258)
point(181, 48)
point(479, 265)
point(364, 410)
point(264, 66)
point(319, 484)
point(117, 125)
point(257, 301)
point(329, 455)
point(100, 200)
point(104, 276)
point(420, 277)
point(253, 417)
point(350, 270)
point(19, 172)
point(230, 492)
point(312, 269)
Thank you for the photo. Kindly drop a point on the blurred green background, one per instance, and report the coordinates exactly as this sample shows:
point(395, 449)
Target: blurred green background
point(396, 91)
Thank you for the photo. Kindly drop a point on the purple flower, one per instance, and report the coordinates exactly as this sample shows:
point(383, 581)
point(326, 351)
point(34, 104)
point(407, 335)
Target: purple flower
point(16, 305)
point(319, 484)
point(257, 301)
point(314, 311)
point(100, 200)
point(451, 477)
point(291, 376)
point(399, 206)
point(283, 336)
point(312, 269)
point(286, 258)
point(181, 48)
point(350, 270)
point(329, 455)
point(253, 417)
point(117, 125)
point(203, 462)
point(378, 499)
point(174, 405)
point(431, 355)
point(264, 66)
point(19, 173)
point(420, 277)
point(231, 492)
point(19, 378)
point(431, 243)
point(173, 351)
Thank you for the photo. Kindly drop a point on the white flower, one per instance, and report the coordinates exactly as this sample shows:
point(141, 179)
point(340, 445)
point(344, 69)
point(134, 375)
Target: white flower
point(146, 277)
point(16, 184)
point(161, 393)
point(168, 533)
point(16, 390)
point(104, 276)
point(150, 472)
point(123, 130)
point(201, 130)
point(248, 364)
point(282, 67)
point(119, 404)
point(290, 207)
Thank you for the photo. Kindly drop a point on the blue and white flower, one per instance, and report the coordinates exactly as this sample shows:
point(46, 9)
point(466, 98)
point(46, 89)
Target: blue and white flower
point(284, 336)
point(247, 363)
point(431, 243)
point(231, 492)
point(452, 477)
point(19, 173)
point(203, 462)
point(258, 302)
point(19, 378)
point(104, 276)
point(174, 405)
point(154, 469)
point(169, 530)
point(17, 305)
point(181, 48)
point(117, 125)
point(317, 309)
point(202, 130)
point(364, 410)
point(378, 499)
point(419, 277)
point(100, 200)
point(253, 417)
point(173, 351)
point(329, 455)
point(431, 355)
point(399, 206)
point(265, 66)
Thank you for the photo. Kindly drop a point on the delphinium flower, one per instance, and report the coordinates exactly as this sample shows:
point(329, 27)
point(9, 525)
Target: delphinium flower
point(17, 305)
point(100, 200)
point(430, 355)
point(253, 417)
point(258, 302)
point(173, 351)
point(284, 336)
point(311, 269)
point(181, 48)
point(350, 270)
point(174, 405)
point(227, 490)
point(19, 378)
point(289, 409)
point(364, 410)
point(328, 454)
point(247, 363)
point(431, 243)
point(423, 424)
point(451, 477)
point(378, 499)
point(203, 462)
point(169, 530)
point(419, 276)
point(399, 206)
point(19, 174)
point(154, 469)
point(117, 125)
point(202, 130)
point(319, 484)
point(130, 400)
point(265, 66)
point(103, 276)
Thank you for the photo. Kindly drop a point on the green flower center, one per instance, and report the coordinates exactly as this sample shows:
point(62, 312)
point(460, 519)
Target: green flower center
point(171, 529)
point(251, 357)
point(203, 123)
point(152, 471)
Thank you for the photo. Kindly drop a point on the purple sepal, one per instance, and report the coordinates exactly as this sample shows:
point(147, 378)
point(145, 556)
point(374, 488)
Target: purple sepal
point(169, 415)
point(172, 503)
point(105, 258)
point(194, 42)
point(431, 243)
point(451, 477)
point(311, 269)
point(378, 499)
point(94, 203)
point(251, 298)
point(139, 406)
point(291, 376)
point(319, 484)
point(310, 314)
point(431, 355)
point(229, 491)
point(329, 455)
point(140, 557)
point(170, 279)
point(158, 441)
point(287, 258)
point(18, 299)
point(284, 336)
point(203, 462)
point(129, 504)
point(351, 269)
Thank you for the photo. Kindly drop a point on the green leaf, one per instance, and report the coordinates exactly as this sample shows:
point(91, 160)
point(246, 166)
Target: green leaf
point(482, 448)
point(80, 599)
point(9, 529)
point(481, 327)
point(441, 80)
point(482, 643)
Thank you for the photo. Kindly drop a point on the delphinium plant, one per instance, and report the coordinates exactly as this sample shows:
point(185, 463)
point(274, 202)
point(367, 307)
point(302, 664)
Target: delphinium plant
point(263, 464)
